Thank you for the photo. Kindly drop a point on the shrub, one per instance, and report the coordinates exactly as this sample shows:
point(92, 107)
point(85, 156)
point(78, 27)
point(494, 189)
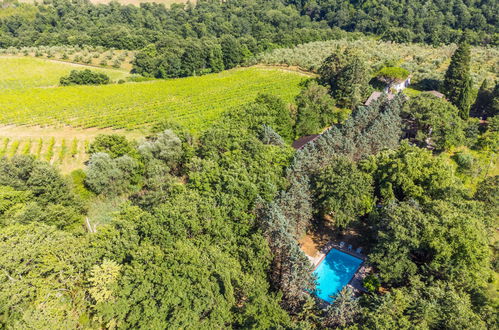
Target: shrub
point(464, 160)
point(84, 77)
point(114, 145)
point(111, 177)
point(371, 283)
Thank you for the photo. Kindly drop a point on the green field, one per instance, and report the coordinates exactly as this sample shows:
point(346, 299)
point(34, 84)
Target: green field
point(27, 72)
point(194, 102)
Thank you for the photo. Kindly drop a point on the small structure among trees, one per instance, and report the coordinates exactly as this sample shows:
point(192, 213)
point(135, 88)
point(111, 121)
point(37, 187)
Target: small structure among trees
point(396, 78)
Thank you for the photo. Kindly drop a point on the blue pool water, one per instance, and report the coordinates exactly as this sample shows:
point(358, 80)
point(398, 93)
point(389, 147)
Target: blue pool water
point(334, 272)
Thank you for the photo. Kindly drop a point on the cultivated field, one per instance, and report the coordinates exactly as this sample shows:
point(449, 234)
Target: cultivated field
point(194, 102)
point(86, 55)
point(22, 73)
point(423, 61)
point(64, 147)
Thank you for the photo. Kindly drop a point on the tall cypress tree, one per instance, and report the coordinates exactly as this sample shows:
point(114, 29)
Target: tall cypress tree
point(457, 82)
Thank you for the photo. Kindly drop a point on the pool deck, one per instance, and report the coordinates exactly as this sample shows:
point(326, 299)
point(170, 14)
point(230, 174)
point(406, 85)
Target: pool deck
point(357, 279)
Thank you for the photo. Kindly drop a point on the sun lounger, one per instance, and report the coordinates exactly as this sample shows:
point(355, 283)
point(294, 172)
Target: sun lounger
point(349, 247)
point(342, 245)
point(359, 250)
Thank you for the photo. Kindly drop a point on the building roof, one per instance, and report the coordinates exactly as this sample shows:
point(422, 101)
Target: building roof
point(301, 142)
point(376, 95)
point(437, 94)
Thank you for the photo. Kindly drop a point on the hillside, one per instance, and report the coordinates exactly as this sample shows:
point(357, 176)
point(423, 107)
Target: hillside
point(423, 61)
point(22, 73)
point(193, 102)
point(51, 122)
point(249, 164)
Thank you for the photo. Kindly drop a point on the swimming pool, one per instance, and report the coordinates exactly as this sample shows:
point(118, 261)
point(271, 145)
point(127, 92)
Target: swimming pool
point(334, 272)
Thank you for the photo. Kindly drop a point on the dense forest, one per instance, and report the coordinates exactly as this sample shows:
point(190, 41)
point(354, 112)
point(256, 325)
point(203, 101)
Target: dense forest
point(211, 36)
point(206, 230)
point(431, 21)
point(184, 229)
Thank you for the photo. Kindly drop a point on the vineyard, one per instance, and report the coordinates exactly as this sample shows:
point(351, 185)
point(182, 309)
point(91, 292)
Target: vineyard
point(27, 72)
point(64, 147)
point(423, 61)
point(193, 102)
point(64, 153)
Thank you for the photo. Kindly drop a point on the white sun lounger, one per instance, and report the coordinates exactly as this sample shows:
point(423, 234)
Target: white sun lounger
point(342, 245)
point(359, 250)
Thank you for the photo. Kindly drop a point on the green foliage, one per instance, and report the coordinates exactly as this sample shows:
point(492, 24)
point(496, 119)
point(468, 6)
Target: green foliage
point(487, 101)
point(84, 77)
point(418, 21)
point(111, 177)
point(433, 122)
point(114, 145)
point(347, 76)
point(371, 283)
point(291, 269)
point(464, 160)
point(426, 63)
point(412, 173)
point(266, 110)
point(343, 192)
point(458, 83)
point(165, 146)
point(47, 291)
point(78, 180)
point(488, 192)
point(343, 311)
point(391, 75)
point(315, 110)
point(429, 240)
point(21, 73)
point(442, 306)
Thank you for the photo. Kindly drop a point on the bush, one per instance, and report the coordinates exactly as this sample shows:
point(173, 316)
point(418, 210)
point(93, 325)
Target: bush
point(84, 77)
point(111, 177)
point(464, 160)
point(371, 283)
point(114, 145)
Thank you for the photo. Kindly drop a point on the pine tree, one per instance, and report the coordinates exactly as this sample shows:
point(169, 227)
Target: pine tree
point(291, 271)
point(457, 82)
point(484, 106)
point(343, 311)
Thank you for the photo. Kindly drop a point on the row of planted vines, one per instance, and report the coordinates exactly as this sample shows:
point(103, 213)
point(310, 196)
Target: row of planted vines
point(194, 102)
point(65, 153)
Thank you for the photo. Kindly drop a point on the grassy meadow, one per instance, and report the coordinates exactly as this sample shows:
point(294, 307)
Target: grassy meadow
point(193, 102)
point(22, 73)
